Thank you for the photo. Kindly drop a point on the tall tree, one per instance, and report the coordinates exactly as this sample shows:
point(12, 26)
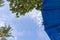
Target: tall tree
point(1, 3)
point(23, 6)
point(5, 32)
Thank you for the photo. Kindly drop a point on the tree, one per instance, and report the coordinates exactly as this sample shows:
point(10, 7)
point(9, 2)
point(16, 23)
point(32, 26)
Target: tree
point(23, 6)
point(1, 3)
point(5, 32)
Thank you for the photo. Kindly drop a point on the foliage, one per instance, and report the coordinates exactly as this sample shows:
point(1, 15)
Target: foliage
point(5, 32)
point(1, 3)
point(23, 6)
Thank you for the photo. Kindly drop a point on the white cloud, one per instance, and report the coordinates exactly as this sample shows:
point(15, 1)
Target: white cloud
point(36, 15)
point(43, 35)
point(2, 23)
point(2, 20)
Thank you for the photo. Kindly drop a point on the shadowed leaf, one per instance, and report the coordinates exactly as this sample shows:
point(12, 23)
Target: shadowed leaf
point(20, 7)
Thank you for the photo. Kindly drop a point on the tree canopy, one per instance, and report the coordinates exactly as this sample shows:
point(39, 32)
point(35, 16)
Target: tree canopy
point(1, 3)
point(20, 7)
point(5, 31)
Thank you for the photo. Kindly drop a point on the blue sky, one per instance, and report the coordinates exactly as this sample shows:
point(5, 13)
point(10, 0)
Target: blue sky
point(28, 27)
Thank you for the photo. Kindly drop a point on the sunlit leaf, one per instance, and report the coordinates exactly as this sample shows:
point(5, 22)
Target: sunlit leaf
point(23, 6)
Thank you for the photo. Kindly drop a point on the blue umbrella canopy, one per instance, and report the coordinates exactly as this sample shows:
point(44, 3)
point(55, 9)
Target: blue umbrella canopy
point(51, 12)
point(51, 16)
